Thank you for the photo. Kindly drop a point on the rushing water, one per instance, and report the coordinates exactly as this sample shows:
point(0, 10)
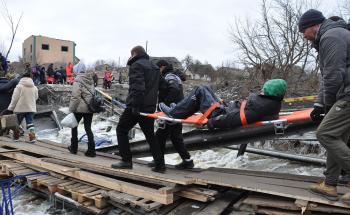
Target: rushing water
point(26, 203)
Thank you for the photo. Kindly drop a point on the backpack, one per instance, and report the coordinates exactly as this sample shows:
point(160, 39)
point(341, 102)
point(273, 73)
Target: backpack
point(96, 104)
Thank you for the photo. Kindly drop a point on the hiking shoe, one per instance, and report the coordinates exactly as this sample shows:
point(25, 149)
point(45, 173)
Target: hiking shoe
point(90, 154)
point(345, 198)
point(32, 137)
point(16, 135)
point(185, 164)
point(122, 165)
point(158, 168)
point(72, 151)
point(165, 109)
point(327, 191)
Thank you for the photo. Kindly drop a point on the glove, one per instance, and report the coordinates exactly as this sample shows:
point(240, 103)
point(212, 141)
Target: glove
point(316, 113)
point(135, 111)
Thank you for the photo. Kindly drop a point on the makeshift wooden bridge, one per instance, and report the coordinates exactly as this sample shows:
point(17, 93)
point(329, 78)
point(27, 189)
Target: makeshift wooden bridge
point(91, 185)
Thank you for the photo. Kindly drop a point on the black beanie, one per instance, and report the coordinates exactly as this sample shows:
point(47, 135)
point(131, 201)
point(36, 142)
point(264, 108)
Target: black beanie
point(310, 18)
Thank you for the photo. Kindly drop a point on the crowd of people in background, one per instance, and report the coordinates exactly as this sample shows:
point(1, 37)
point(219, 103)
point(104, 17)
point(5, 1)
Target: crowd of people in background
point(51, 75)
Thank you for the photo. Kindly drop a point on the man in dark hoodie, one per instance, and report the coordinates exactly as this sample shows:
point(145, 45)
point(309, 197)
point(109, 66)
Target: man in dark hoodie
point(142, 97)
point(332, 41)
point(171, 91)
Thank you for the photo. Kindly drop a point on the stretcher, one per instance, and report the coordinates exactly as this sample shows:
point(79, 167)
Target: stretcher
point(200, 119)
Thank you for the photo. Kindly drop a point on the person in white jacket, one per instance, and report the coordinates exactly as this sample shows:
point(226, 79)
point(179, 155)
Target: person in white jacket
point(23, 104)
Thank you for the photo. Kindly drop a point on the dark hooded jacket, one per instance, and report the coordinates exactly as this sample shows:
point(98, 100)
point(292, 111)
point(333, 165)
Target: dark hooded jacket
point(258, 108)
point(143, 84)
point(3, 63)
point(6, 91)
point(170, 88)
point(333, 44)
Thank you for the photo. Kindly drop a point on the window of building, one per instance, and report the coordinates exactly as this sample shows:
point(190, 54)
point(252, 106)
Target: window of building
point(64, 48)
point(31, 48)
point(45, 47)
point(24, 52)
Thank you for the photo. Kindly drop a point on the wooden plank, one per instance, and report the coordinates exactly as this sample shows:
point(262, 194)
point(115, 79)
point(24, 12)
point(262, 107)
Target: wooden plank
point(102, 163)
point(261, 185)
point(271, 211)
point(195, 196)
point(215, 207)
point(92, 178)
point(273, 202)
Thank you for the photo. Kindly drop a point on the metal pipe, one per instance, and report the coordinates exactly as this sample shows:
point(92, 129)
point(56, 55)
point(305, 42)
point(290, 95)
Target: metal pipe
point(282, 155)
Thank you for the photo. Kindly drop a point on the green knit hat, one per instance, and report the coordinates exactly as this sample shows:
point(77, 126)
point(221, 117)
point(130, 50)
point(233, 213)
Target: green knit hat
point(275, 87)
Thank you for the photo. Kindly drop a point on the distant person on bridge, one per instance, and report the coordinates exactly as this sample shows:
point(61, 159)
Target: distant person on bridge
point(50, 73)
point(95, 78)
point(171, 91)
point(265, 105)
point(107, 79)
point(332, 41)
point(69, 73)
point(142, 97)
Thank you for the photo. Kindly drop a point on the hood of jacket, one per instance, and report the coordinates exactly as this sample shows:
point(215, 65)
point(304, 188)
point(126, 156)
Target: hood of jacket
point(134, 59)
point(27, 82)
point(85, 77)
point(169, 69)
point(325, 26)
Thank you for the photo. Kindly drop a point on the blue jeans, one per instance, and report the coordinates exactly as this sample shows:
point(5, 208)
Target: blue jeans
point(200, 99)
point(29, 117)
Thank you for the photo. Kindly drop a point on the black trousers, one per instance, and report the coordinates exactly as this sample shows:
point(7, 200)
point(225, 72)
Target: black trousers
point(126, 122)
point(175, 134)
point(87, 126)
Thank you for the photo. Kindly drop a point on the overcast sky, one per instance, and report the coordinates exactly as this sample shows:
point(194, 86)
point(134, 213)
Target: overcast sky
point(108, 29)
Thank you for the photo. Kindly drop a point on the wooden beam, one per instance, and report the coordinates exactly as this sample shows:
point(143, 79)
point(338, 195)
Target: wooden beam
point(110, 183)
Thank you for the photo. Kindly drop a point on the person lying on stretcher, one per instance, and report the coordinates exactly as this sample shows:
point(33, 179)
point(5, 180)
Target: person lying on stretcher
point(265, 105)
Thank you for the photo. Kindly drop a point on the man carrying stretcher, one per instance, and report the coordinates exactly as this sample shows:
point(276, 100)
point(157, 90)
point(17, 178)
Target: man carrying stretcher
point(265, 105)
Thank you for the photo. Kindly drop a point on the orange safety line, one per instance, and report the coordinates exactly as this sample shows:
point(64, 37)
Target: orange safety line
point(208, 112)
point(242, 113)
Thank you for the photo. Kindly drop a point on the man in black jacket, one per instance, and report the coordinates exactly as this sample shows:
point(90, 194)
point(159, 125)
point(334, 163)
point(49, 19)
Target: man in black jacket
point(142, 97)
point(171, 91)
point(263, 106)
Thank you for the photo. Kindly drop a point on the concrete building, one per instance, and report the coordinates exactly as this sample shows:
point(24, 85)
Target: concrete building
point(45, 50)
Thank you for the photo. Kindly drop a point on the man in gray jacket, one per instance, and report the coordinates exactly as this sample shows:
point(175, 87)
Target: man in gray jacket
point(332, 40)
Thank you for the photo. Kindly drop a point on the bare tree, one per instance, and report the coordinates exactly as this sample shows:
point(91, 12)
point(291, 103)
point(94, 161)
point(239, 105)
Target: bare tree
point(272, 46)
point(187, 62)
point(345, 9)
point(13, 24)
